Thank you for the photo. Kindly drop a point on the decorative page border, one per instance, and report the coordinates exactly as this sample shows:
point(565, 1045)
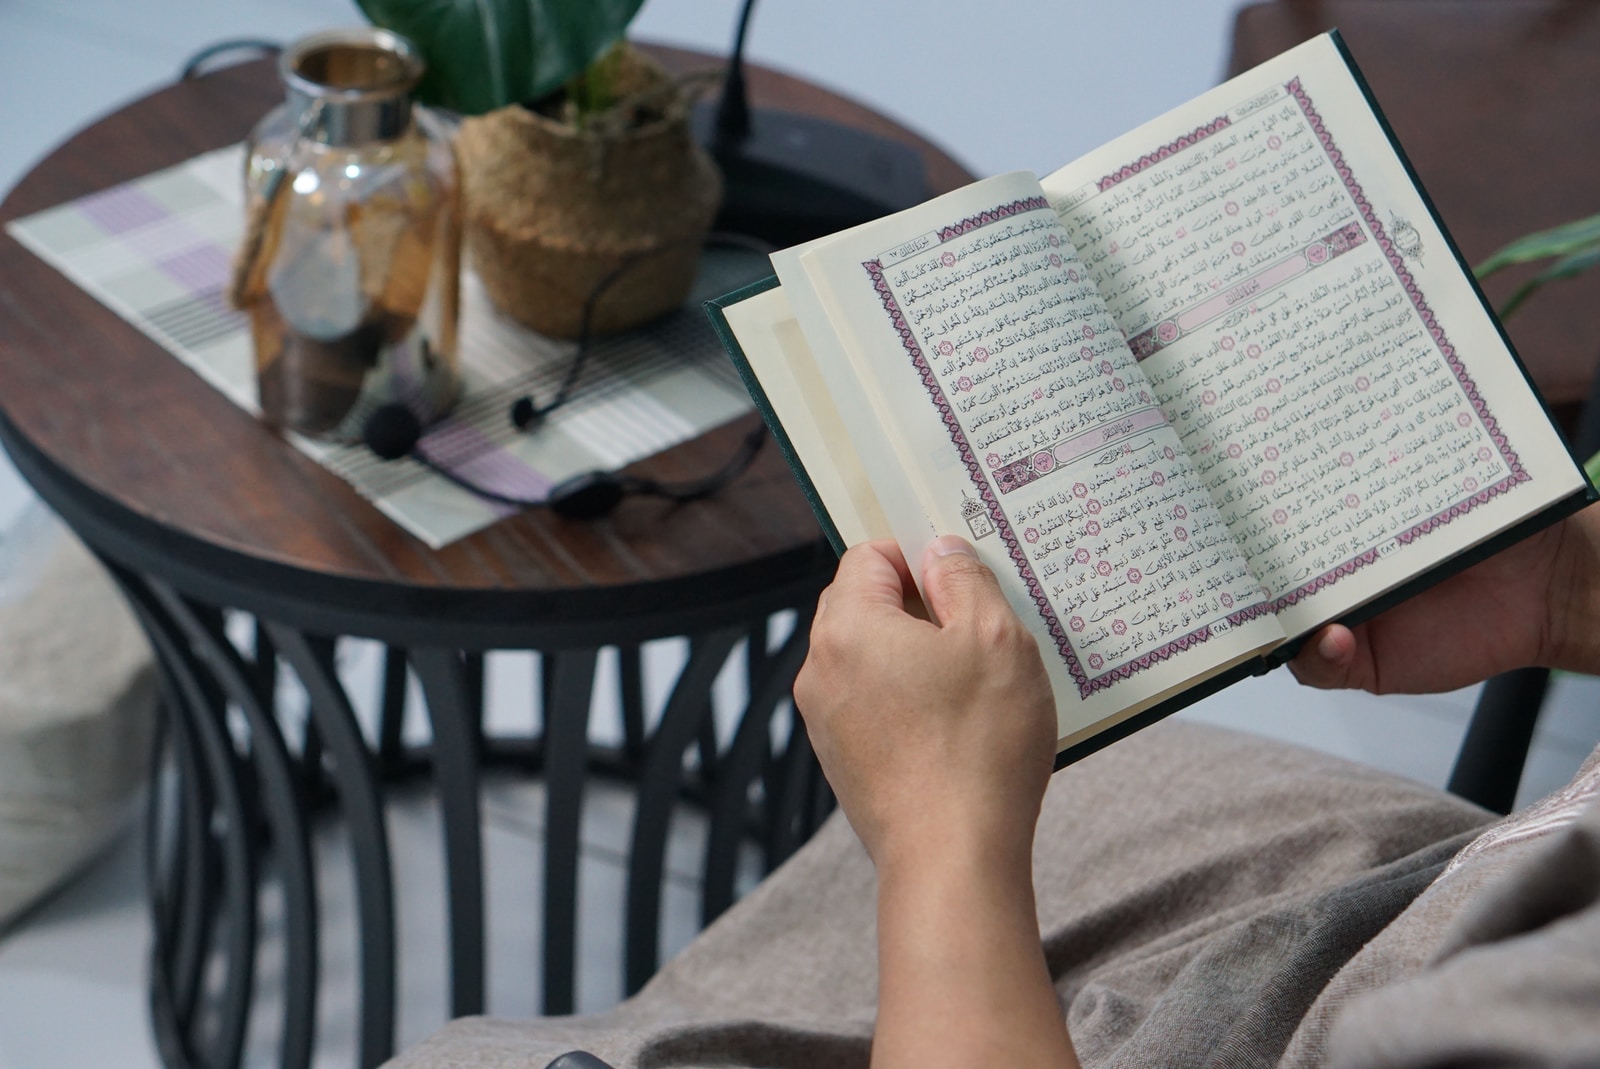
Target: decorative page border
point(1194, 137)
point(983, 219)
point(1086, 684)
point(1518, 474)
point(1331, 244)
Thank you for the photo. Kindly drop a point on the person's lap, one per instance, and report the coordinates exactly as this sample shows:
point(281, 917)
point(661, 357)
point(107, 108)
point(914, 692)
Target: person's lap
point(1182, 863)
point(1197, 887)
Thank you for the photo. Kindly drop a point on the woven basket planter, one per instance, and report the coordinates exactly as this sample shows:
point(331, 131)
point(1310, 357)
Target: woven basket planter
point(552, 211)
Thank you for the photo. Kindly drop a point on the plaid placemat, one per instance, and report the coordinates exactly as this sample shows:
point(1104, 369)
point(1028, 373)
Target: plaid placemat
point(158, 251)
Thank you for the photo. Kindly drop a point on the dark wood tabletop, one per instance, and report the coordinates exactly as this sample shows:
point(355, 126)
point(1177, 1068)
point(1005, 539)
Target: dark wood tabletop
point(127, 442)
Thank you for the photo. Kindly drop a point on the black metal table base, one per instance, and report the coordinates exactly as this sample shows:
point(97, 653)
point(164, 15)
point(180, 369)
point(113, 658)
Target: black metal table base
point(249, 784)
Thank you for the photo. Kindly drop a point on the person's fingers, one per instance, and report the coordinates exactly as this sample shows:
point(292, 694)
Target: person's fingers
point(869, 574)
point(959, 585)
point(866, 597)
point(1328, 659)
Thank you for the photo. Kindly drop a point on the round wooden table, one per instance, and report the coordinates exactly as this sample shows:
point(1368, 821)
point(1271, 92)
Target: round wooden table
point(204, 516)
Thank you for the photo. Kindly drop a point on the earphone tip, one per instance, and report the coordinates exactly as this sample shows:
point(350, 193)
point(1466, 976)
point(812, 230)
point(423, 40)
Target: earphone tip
point(392, 430)
point(586, 496)
point(523, 413)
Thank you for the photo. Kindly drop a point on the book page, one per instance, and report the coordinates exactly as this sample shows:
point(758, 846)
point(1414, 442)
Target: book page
point(1351, 407)
point(777, 352)
point(988, 368)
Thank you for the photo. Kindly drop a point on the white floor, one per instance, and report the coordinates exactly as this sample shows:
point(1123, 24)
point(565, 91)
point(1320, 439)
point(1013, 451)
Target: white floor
point(1032, 90)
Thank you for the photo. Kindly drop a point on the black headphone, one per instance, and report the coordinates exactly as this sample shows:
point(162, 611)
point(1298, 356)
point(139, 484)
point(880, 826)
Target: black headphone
point(393, 430)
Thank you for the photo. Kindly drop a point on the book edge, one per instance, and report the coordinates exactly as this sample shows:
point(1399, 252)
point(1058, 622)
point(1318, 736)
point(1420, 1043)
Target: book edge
point(730, 342)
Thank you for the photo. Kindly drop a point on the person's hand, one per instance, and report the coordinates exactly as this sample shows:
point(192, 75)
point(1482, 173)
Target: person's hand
point(927, 730)
point(938, 739)
point(1535, 603)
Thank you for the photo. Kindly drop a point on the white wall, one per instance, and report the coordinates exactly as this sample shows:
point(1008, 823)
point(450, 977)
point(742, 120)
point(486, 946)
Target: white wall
point(1027, 84)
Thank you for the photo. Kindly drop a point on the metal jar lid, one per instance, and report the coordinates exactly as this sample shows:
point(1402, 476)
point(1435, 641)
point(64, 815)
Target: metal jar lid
point(362, 79)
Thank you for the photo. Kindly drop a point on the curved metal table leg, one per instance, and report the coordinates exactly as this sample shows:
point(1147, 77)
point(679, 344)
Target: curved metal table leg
point(356, 785)
point(244, 804)
point(177, 859)
point(447, 682)
point(741, 766)
point(568, 689)
point(290, 838)
point(688, 707)
point(191, 1033)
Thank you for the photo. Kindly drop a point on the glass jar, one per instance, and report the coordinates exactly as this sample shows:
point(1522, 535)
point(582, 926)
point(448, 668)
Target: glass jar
point(350, 268)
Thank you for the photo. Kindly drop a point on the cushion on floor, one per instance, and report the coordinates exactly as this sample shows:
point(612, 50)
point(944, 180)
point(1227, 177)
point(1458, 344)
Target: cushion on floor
point(77, 709)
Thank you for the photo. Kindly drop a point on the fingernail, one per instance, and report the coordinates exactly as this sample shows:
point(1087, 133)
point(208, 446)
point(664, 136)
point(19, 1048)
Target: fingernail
point(952, 545)
point(1328, 648)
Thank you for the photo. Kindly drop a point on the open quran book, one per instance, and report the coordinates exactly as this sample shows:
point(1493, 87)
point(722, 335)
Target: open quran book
point(1210, 387)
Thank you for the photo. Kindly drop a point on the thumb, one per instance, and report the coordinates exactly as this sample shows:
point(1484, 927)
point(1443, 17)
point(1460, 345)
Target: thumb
point(1329, 660)
point(958, 584)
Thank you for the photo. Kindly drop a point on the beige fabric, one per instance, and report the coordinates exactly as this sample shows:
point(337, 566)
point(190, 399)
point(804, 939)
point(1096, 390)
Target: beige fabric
point(77, 711)
point(1513, 919)
point(1162, 862)
point(1216, 882)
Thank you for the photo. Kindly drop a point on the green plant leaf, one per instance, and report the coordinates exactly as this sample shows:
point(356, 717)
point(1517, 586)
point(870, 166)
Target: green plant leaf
point(1591, 468)
point(1568, 267)
point(1558, 241)
point(485, 54)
